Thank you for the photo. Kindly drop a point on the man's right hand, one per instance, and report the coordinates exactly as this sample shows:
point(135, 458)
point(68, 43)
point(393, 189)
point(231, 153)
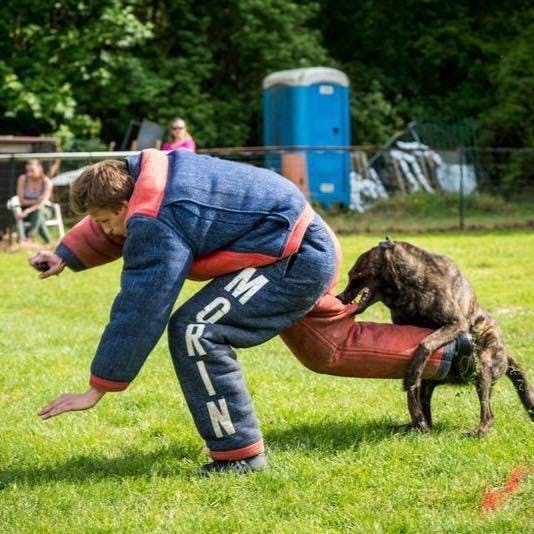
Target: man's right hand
point(55, 263)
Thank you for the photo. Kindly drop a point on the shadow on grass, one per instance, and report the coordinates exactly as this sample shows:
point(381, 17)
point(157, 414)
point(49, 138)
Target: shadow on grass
point(163, 462)
point(169, 461)
point(339, 435)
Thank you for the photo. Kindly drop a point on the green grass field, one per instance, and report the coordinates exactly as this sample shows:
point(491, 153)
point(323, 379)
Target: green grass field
point(337, 463)
point(421, 213)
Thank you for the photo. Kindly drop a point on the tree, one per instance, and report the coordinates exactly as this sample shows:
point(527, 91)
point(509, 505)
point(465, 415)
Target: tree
point(54, 68)
point(90, 66)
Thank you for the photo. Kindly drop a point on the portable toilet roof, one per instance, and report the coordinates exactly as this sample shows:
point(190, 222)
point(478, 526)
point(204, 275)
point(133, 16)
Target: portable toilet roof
point(306, 76)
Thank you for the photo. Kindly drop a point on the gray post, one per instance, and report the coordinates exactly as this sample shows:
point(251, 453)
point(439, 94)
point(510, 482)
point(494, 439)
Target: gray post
point(12, 191)
point(461, 158)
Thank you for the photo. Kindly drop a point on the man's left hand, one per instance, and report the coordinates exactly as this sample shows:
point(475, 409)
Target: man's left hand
point(71, 402)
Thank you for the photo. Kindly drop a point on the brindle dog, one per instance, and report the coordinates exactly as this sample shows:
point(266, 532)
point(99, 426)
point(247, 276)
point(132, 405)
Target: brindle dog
point(428, 290)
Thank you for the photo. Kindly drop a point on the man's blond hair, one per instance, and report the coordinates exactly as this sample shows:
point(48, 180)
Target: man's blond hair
point(103, 185)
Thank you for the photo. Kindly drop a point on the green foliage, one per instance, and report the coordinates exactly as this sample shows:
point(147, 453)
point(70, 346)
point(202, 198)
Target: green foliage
point(509, 121)
point(446, 60)
point(94, 64)
point(82, 69)
point(63, 57)
point(422, 213)
point(374, 118)
point(338, 464)
point(518, 176)
point(223, 53)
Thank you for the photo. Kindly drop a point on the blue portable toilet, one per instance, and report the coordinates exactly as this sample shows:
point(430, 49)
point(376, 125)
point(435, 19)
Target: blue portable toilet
point(309, 108)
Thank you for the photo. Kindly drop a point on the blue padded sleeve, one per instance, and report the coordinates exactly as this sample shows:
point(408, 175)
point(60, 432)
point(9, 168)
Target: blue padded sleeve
point(156, 262)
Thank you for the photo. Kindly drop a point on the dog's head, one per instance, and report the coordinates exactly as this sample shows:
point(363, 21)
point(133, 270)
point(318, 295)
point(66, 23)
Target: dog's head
point(366, 277)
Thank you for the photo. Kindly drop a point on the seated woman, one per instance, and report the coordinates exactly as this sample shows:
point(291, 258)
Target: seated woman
point(179, 137)
point(34, 189)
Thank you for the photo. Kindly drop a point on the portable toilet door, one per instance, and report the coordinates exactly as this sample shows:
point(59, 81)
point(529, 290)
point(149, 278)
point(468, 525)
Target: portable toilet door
point(310, 108)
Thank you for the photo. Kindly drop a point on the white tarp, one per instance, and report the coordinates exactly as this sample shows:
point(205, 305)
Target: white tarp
point(447, 171)
point(450, 174)
point(66, 178)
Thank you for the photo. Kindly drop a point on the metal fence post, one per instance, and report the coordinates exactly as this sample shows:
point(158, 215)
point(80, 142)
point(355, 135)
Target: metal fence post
point(461, 189)
point(12, 191)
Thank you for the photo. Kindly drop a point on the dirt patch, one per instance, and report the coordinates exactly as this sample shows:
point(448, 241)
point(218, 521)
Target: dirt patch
point(6, 246)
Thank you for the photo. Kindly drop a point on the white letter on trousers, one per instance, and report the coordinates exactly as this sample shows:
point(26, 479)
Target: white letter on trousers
point(193, 333)
point(243, 285)
point(224, 305)
point(220, 418)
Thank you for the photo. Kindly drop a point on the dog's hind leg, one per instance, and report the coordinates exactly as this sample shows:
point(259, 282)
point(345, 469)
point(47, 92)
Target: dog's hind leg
point(523, 388)
point(484, 385)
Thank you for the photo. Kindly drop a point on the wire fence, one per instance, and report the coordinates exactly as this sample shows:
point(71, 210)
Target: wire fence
point(404, 187)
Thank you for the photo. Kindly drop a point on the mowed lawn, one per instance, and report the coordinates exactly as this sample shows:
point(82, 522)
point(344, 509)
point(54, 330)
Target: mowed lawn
point(337, 462)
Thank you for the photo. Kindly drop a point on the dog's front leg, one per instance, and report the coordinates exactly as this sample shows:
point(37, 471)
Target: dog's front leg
point(431, 343)
point(415, 407)
point(419, 405)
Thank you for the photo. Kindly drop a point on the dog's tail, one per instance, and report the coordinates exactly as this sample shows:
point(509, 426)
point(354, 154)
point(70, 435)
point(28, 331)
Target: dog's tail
point(523, 388)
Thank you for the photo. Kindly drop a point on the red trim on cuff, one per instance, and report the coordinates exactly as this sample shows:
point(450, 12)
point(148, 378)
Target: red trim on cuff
point(107, 385)
point(239, 454)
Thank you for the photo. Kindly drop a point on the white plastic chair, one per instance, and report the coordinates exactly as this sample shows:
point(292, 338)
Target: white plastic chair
point(55, 218)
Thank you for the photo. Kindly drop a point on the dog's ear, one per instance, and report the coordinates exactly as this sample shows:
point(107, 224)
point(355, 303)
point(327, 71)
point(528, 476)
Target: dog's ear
point(388, 243)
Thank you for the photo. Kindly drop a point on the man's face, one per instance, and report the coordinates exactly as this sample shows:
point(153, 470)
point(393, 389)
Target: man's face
point(112, 220)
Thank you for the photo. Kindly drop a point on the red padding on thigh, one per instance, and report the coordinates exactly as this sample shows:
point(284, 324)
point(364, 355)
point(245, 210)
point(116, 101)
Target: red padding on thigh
point(329, 340)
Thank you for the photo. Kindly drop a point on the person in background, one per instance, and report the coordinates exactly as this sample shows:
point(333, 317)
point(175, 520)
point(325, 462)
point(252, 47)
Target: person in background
point(34, 189)
point(179, 137)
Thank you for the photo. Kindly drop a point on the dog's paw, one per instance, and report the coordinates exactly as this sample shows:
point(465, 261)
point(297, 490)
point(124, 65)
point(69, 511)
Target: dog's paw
point(478, 432)
point(421, 426)
point(411, 427)
point(473, 434)
point(403, 428)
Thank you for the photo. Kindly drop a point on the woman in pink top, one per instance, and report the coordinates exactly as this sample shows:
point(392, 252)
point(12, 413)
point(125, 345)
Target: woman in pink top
point(179, 137)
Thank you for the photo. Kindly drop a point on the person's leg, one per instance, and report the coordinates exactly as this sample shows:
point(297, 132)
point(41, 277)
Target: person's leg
point(34, 221)
point(43, 229)
point(329, 340)
point(242, 309)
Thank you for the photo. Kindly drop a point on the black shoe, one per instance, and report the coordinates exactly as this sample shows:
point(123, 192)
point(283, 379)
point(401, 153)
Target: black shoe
point(238, 467)
point(464, 365)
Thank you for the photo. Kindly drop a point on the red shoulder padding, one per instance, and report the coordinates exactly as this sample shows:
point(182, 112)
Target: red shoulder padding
point(150, 185)
point(91, 245)
point(328, 340)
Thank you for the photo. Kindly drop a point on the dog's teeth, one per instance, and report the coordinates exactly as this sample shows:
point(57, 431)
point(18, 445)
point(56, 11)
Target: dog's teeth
point(363, 295)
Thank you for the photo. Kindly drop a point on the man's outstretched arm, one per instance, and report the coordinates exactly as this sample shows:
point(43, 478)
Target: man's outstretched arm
point(156, 262)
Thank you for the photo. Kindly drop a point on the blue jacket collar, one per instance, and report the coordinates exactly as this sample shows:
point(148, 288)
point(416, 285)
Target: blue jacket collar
point(134, 165)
